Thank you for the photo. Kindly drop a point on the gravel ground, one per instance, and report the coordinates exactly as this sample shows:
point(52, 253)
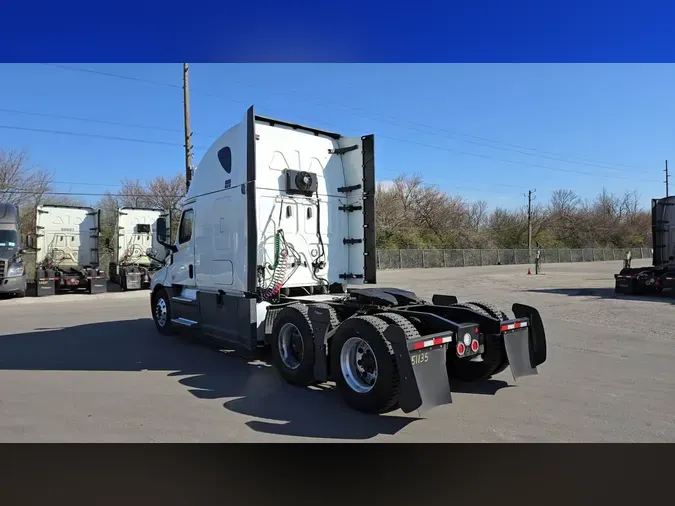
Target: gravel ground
point(78, 368)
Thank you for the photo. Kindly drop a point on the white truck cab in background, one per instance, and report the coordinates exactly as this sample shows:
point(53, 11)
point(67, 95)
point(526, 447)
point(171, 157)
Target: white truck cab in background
point(67, 257)
point(136, 254)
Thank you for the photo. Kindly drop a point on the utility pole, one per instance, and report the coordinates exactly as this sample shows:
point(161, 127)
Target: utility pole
point(667, 177)
point(186, 124)
point(529, 222)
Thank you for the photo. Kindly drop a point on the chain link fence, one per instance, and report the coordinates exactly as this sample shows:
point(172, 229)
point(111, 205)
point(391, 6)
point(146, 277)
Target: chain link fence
point(428, 258)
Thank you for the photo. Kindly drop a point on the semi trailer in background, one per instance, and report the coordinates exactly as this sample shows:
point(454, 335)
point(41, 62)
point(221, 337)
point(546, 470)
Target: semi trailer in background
point(659, 278)
point(67, 250)
point(135, 251)
point(275, 242)
point(12, 269)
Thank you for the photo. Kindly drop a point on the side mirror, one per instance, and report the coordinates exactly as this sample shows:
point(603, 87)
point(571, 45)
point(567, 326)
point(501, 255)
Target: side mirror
point(30, 242)
point(161, 230)
point(162, 234)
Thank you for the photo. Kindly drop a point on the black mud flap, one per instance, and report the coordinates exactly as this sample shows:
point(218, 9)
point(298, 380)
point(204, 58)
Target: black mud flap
point(96, 283)
point(320, 319)
point(423, 373)
point(45, 283)
point(536, 333)
point(625, 285)
point(518, 351)
point(133, 280)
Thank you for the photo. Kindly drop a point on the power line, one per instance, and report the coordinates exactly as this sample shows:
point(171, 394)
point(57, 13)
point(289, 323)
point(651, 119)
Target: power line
point(432, 146)
point(82, 134)
point(89, 120)
point(479, 155)
point(449, 133)
point(110, 74)
point(83, 194)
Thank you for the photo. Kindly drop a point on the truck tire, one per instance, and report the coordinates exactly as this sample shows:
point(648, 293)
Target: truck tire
point(463, 369)
point(396, 319)
point(292, 343)
point(501, 316)
point(364, 365)
point(334, 320)
point(491, 310)
point(161, 312)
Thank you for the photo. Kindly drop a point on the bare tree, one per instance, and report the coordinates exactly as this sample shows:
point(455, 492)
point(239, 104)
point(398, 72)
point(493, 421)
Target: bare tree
point(412, 214)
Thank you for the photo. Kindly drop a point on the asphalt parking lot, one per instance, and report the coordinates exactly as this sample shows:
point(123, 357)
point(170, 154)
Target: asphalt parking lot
point(82, 368)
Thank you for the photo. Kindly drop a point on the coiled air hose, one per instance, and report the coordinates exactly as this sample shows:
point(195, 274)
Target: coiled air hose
point(279, 267)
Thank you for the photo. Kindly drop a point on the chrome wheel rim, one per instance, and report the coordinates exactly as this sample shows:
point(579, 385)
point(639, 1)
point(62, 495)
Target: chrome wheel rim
point(290, 345)
point(358, 365)
point(160, 311)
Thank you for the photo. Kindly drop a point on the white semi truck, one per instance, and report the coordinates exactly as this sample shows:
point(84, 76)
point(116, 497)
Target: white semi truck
point(279, 219)
point(67, 243)
point(132, 246)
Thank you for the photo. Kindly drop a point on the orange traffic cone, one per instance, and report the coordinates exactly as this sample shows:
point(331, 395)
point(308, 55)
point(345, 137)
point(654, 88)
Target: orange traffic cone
point(529, 272)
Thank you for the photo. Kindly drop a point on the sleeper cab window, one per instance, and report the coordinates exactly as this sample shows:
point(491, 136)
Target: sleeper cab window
point(225, 158)
point(185, 231)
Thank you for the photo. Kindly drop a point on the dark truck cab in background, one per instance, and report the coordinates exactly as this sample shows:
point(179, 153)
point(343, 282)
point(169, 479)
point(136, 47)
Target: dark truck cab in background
point(12, 269)
point(659, 278)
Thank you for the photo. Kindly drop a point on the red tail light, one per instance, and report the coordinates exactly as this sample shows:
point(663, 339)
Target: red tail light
point(474, 345)
point(460, 349)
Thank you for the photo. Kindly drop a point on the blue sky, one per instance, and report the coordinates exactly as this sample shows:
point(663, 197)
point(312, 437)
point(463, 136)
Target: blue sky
point(482, 131)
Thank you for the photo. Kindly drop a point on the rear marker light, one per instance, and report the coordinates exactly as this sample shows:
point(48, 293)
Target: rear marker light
point(474, 346)
point(513, 326)
point(460, 349)
point(432, 342)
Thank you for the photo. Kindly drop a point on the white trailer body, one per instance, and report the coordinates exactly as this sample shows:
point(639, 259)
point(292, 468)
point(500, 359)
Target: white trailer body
point(67, 241)
point(135, 234)
point(278, 220)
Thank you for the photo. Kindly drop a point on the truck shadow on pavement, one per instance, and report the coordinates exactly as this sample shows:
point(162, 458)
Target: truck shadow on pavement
point(257, 389)
point(602, 293)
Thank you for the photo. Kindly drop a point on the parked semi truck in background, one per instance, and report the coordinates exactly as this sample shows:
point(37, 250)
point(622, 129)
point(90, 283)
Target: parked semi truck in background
point(12, 269)
point(659, 278)
point(279, 219)
point(134, 237)
point(67, 243)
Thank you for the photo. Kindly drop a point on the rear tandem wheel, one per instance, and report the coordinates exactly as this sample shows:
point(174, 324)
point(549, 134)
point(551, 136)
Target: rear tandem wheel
point(364, 365)
point(292, 343)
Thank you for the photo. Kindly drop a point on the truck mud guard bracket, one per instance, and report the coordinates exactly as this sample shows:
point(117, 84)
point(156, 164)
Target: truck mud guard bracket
point(443, 300)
